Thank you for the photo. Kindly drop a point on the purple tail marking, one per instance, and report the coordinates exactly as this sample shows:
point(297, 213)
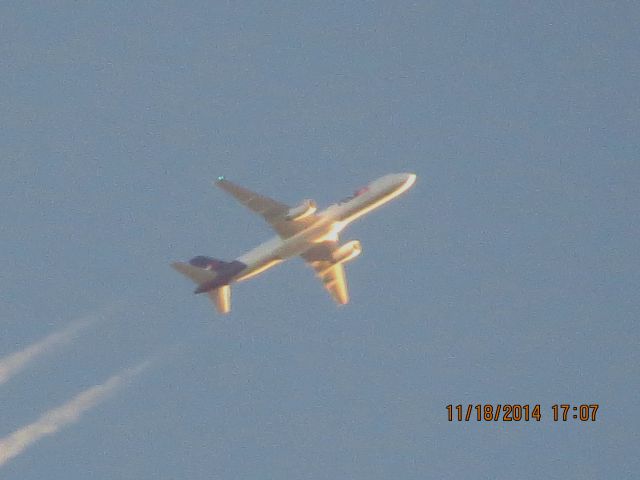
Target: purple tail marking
point(225, 271)
point(207, 262)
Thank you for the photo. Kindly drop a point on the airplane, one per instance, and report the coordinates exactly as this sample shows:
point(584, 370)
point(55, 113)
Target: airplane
point(302, 231)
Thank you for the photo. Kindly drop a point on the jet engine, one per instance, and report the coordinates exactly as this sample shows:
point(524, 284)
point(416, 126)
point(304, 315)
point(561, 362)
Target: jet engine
point(306, 208)
point(348, 251)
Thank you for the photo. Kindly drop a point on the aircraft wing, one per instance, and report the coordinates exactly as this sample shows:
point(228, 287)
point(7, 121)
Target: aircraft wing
point(272, 211)
point(331, 274)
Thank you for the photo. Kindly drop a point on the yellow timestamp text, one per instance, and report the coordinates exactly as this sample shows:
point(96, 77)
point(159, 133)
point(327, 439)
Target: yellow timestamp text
point(516, 412)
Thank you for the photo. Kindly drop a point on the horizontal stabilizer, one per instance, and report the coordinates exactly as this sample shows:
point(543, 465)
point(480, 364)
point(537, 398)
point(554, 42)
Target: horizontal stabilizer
point(221, 298)
point(197, 274)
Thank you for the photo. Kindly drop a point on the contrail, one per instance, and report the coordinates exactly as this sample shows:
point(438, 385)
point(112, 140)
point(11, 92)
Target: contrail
point(15, 362)
point(50, 422)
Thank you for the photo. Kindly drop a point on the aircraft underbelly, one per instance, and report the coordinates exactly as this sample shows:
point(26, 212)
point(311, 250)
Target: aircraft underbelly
point(276, 251)
point(300, 243)
point(257, 269)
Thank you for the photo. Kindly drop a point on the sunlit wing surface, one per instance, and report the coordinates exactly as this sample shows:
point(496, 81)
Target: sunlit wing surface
point(272, 211)
point(331, 274)
point(335, 282)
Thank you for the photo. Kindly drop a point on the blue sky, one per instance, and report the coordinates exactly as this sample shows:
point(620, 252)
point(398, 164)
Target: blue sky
point(508, 274)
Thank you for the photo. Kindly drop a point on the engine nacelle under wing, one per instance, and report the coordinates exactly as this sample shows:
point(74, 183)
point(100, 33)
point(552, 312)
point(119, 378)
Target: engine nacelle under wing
point(347, 252)
point(306, 208)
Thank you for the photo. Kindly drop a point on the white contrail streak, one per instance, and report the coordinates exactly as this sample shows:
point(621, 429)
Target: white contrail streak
point(50, 422)
point(15, 362)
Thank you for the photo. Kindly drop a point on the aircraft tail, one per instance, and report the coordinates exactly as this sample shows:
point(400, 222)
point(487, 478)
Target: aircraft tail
point(201, 269)
point(212, 276)
point(199, 275)
point(207, 263)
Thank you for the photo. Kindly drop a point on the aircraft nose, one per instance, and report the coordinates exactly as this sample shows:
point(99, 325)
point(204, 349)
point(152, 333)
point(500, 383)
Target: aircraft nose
point(396, 181)
point(406, 179)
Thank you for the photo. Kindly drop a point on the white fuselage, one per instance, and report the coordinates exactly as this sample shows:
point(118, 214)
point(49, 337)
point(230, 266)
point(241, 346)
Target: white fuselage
point(329, 223)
